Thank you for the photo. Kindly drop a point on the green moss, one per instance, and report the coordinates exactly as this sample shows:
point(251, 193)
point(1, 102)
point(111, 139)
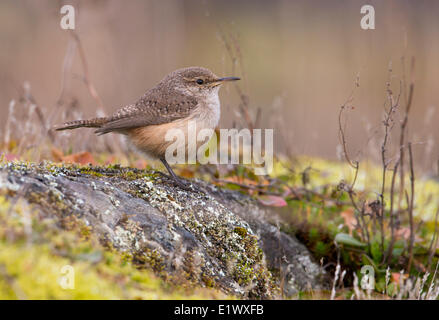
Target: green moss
point(241, 231)
point(90, 171)
point(34, 251)
point(321, 249)
point(208, 281)
point(149, 258)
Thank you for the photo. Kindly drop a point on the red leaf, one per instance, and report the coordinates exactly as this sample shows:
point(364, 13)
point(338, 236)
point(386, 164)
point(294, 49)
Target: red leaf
point(11, 157)
point(349, 219)
point(272, 201)
point(81, 158)
point(396, 277)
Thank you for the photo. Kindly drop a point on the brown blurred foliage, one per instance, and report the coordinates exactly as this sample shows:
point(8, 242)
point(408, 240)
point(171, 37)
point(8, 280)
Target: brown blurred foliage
point(298, 61)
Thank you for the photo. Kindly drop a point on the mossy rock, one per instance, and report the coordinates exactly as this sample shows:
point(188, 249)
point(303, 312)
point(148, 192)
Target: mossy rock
point(210, 237)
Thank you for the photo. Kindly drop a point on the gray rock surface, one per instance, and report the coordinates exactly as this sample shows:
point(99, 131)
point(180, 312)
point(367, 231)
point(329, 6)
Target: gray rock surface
point(216, 237)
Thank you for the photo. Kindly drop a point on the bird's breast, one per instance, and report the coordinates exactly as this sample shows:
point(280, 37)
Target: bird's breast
point(208, 113)
point(155, 139)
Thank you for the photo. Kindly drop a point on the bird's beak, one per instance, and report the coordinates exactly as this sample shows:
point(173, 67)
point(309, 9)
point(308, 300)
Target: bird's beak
point(220, 81)
point(228, 79)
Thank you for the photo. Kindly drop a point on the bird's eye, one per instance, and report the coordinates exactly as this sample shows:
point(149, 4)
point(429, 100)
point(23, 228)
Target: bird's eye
point(200, 81)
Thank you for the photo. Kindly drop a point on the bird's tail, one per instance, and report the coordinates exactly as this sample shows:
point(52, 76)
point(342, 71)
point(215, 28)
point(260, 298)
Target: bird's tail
point(92, 123)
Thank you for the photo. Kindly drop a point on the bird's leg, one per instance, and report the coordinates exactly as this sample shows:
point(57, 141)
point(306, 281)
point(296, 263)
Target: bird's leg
point(178, 182)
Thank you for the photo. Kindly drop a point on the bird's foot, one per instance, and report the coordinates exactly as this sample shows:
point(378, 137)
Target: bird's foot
point(177, 181)
point(185, 185)
point(167, 176)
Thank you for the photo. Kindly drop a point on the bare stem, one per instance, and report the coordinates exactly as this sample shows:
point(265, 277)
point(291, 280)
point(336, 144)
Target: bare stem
point(410, 208)
point(388, 256)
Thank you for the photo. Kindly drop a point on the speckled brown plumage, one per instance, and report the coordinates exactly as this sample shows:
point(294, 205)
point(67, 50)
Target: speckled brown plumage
point(183, 95)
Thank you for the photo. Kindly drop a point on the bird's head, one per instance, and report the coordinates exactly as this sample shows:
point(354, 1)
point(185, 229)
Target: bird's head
point(196, 81)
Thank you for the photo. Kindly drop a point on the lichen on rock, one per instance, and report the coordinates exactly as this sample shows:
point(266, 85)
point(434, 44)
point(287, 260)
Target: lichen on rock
point(212, 237)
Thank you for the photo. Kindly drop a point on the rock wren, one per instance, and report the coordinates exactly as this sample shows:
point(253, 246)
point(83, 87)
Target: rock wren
point(188, 94)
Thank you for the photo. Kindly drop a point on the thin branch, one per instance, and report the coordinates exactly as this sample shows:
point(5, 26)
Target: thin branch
point(403, 132)
point(434, 240)
point(342, 136)
point(388, 125)
point(388, 255)
point(67, 65)
point(410, 211)
point(91, 88)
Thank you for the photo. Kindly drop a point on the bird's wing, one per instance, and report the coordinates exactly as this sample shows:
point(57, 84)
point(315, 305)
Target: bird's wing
point(149, 110)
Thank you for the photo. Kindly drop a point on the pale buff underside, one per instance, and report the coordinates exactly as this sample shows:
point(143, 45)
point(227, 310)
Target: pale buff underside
point(151, 139)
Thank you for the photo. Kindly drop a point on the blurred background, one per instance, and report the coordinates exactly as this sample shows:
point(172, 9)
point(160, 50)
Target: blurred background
point(298, 60)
